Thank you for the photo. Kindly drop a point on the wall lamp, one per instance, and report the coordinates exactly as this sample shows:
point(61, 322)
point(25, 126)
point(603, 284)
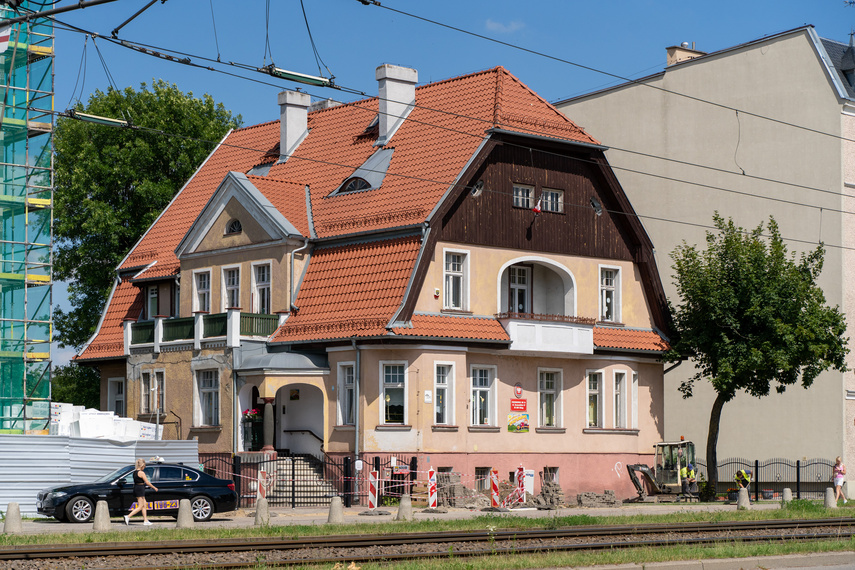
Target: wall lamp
point(595, 204)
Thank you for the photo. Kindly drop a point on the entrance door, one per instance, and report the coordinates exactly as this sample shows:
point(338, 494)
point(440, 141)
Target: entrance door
point(519, 280)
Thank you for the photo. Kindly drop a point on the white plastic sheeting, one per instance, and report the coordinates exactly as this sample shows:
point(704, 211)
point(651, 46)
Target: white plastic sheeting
point(30, 463)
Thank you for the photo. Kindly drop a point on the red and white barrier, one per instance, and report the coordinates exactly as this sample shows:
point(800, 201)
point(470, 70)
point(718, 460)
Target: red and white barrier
point(431, 488)
point(261, 493)
point(521, 484)
point(372, 490)
point(494, 488)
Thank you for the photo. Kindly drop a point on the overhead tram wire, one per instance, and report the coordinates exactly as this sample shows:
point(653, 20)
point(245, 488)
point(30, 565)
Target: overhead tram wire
point(600, 71)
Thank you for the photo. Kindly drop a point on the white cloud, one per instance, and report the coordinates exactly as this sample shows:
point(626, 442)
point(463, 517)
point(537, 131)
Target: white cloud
point(501, 28)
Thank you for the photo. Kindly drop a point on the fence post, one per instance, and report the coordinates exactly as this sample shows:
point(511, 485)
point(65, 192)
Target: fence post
point(414, 466)
point(293, 481)
point(348, 483)
point(236, 476)
point(377, 469)
point(798, 479)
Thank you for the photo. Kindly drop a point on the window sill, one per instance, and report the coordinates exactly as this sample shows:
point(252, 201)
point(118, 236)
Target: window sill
point(442, 427)
point(612, 431)
point(393, 427)
point(150, 418)
point(207, 429)
point(455, 312)
point(484, 429)
point(345, 427)
point(550, 430)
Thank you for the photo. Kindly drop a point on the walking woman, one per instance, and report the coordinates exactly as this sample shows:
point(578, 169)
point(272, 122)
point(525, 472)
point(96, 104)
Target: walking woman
point(140, 483)
point(837, 473)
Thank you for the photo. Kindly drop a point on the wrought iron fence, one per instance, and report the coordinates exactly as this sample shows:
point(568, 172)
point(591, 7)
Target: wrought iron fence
point(807, 479)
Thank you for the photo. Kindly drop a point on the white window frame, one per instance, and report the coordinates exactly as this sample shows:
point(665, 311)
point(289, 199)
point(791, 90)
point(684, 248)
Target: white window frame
point(620, 394)
point(634, 417)
point(448, 387)
point(490, 390)
point(147, 395)
point(383, 365)
point(152, 294)
point(513, 288)
point(556, 391)
point(258, 287)
point(200, 394)
point(176, 300)
point(116, 389)
point(227, 289)
point(197, 305)
point(552, 200)
point(600, 396)
point(345, 391)
point(523, 196)
point(616, 293)
point(463, 275)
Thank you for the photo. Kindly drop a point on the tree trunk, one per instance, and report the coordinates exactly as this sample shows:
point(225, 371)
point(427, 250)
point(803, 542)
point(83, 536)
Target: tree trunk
point(712, 440)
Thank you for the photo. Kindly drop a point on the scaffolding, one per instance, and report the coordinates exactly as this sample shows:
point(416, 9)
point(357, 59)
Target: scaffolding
point(26, 215)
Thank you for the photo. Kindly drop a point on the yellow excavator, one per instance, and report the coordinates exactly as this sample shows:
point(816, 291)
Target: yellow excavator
point(663, 480)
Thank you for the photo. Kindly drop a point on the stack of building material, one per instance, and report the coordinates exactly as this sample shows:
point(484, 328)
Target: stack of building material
point(449, 491)
point(607, 499)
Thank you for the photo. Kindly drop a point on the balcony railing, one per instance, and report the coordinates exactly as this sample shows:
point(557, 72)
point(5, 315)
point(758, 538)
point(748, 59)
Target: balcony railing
point(231, 326)
point(549, 333)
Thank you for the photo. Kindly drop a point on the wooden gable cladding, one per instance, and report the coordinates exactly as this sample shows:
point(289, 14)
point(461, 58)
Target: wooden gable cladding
point(490, 218)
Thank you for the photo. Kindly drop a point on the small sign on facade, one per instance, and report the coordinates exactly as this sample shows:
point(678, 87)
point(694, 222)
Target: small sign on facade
point(518, 390)
point(518, 405)
point(518, 423)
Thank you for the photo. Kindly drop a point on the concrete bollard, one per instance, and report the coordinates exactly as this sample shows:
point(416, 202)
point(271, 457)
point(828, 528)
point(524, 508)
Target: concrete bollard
point(830, 502)
point(743, 503)
point(262, 512)
point(102, 517)
point(13, 520)
point(185, 515)
point(787, 496)
point(336, 515)
point(405, 509)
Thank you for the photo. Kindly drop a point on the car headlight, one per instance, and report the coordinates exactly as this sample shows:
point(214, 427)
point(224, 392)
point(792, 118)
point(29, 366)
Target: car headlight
point(57, 494)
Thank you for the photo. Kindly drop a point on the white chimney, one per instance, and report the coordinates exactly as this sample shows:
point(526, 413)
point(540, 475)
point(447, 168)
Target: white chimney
point(292, 121)
point(397, 97)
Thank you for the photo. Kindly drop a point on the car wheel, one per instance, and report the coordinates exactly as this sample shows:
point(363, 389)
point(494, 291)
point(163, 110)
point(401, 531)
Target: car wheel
point(80, 509)
point(202, 508)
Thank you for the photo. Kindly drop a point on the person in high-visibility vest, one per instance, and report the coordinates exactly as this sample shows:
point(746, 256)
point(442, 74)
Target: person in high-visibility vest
point(743, 478)
point(687, 479)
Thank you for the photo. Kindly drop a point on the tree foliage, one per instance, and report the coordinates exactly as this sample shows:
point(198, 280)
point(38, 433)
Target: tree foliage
point(750, 316)
point(78, 385)
point(112, 183)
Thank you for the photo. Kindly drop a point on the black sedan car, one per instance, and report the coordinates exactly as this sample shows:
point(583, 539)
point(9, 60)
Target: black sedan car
point(76, 503)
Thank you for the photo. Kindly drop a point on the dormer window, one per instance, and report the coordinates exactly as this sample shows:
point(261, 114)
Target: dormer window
point(368, 176)
point(233, 227)
point(355, 184)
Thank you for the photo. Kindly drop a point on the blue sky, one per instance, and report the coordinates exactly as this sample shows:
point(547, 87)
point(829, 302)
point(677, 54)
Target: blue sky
point(572, 39)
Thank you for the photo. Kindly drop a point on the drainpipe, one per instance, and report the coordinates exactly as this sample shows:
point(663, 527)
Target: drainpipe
point(356, 376)
point(305, 245)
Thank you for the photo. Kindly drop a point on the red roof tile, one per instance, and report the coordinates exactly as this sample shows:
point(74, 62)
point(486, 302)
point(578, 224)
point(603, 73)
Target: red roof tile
point(453, 326)
point(287, 197)
point(351, 290)
point(109, 342)
point(629, 339)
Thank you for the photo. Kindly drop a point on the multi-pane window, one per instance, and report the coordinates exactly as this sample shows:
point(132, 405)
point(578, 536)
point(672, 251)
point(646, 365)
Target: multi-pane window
point(548, 396)
point(609, 297)
point(116, 396)
point(203, 292)
point(347, 395)
point(552, 200)
point(232, 283)
point(208, 387)
point(455, 280)
point(482, 386)
point(442, 389)
point(151, 392)
point(523, 196)
point(595, 383)
point(634, 416)
point(550, 474)
point(482, 478)
point(620, 399)
point(152, 302)
point(262, 289)
point(518, 280)
point(394, 393)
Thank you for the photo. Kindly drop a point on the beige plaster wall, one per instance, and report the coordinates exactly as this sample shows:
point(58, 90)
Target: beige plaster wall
point(783, 79)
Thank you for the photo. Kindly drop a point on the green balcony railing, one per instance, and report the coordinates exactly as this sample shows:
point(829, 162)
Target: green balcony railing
point(252, 324)
point(214, 325)
point(178, 329)
point(142, 333)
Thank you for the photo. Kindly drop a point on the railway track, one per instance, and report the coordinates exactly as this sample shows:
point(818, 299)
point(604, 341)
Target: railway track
point(248, 553)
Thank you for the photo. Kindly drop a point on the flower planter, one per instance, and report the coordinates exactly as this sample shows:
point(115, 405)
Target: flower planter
point(733, 496)
point(768, 494)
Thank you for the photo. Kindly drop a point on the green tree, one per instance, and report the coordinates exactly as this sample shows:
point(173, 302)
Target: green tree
point(78, 385)
point(749, 315)
point(112, 183)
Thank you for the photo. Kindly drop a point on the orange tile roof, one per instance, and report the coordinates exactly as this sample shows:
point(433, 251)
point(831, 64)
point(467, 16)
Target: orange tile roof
point(287, 197)
point(629, 339)
point(109, 342)
point(351, 290)
point(158, 271)
point(454, 326)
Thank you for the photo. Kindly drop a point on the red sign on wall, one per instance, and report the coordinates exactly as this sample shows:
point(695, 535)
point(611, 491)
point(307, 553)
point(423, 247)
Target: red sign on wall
point(518, 405)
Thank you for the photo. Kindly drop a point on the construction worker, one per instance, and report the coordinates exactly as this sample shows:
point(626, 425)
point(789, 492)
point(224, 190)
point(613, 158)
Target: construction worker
point(743, 478)
point(688, 481)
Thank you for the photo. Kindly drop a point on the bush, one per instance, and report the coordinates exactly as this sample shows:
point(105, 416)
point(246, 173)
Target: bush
point(706, 491)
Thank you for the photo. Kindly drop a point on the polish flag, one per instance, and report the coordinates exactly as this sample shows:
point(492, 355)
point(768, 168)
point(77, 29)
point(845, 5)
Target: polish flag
point(536, 208)
point(5, 31)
